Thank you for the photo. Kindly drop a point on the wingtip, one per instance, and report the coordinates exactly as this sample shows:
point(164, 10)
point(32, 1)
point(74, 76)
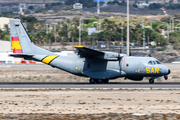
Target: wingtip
point(79, 47)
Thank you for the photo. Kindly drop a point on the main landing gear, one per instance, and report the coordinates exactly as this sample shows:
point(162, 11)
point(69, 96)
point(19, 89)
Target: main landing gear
point(151, 81)
point(99, 81)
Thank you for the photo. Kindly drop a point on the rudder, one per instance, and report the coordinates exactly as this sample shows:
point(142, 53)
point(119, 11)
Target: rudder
point(21, 42)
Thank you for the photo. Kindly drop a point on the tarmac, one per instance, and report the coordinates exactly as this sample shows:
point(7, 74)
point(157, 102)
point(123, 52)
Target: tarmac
point(161, 85)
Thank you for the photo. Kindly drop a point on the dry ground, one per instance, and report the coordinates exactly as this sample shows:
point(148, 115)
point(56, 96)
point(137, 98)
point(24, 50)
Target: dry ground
point(67, 102)
point(81, 104)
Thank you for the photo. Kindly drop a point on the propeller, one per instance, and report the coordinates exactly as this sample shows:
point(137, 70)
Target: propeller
point(119, 58)
point(129, 52)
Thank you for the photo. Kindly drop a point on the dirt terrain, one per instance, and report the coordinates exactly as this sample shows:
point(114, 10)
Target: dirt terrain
point(81, 104)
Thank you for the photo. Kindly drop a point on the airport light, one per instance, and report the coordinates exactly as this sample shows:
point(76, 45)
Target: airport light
point(150, 23)
point(60, 25)
point(172, 23)
point(177, 24)
point(98, 8)
point(143, 33)
point(55, 32)
point(128, 28)
point(168, 30)
point(122, 23)
point(47, 28)
point(68, 27)
point(80, 31)
point(50, 28)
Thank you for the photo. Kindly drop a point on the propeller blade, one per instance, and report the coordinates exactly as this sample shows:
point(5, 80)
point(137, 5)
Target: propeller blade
point(129, 52)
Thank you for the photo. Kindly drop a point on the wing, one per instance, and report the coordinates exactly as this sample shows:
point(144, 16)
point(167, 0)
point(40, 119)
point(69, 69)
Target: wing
point(95, 54)
point(86, 52)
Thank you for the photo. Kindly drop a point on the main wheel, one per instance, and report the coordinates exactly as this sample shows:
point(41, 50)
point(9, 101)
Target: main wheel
point(99, 81)
point(106, 81)
point(92, 81)
point(151, 81)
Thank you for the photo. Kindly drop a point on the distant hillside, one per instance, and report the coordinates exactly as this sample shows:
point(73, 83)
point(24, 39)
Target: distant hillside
point(135, 11)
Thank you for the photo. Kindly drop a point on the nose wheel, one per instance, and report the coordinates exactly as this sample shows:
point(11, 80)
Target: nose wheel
point(151, 81)
point(165, 77)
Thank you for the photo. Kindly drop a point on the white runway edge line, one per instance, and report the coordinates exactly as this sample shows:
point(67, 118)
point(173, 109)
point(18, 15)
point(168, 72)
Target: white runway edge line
point(89, 89)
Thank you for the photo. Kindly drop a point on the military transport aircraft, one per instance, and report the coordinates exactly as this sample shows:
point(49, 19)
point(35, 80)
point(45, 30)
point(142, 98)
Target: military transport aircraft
point(99, 66)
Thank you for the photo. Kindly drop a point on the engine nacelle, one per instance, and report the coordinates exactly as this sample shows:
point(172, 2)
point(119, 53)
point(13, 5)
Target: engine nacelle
point(110, 56)
point(136, 78)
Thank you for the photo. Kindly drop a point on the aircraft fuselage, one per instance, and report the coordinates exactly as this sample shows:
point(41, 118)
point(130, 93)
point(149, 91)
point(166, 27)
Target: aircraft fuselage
point(134, 68)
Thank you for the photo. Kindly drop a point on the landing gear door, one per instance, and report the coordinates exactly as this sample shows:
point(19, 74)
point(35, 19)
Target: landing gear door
point(141, 68)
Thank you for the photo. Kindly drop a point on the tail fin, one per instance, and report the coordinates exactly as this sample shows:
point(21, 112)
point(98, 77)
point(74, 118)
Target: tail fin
point(21, 42)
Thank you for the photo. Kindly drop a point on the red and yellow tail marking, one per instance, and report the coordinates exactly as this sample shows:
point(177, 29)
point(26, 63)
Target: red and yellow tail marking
point(49, 58)
point(16, 46)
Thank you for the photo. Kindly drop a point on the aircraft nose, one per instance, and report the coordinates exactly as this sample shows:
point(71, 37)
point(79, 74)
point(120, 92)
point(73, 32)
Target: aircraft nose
point(169, 71)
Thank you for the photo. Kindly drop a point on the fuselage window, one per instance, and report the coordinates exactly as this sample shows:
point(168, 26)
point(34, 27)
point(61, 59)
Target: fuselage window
point(127, 65)
point(158, 62)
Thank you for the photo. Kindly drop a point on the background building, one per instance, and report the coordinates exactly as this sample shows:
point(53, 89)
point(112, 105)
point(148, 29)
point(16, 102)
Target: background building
point(4, 21)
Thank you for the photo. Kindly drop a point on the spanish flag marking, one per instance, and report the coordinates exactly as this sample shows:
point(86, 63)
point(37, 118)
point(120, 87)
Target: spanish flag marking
point(16, 46)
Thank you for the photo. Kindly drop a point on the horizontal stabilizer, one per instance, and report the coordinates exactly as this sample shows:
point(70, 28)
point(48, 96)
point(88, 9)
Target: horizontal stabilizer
point(21, 55)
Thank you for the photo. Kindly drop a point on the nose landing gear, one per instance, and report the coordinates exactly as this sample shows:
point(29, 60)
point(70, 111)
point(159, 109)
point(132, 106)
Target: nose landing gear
point(165, 77)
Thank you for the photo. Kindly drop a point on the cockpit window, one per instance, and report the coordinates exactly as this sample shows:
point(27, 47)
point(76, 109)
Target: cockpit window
point(158, 62)
point(154, 62)
point(150, 63)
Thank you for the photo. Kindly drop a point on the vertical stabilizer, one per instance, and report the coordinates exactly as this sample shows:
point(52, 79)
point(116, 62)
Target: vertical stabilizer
point(21, 42)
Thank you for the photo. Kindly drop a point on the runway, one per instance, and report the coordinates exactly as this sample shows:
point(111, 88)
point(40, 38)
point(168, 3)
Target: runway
point(87, 85)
